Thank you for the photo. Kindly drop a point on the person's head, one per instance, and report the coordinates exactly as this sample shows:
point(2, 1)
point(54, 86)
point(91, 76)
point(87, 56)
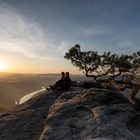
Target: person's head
point(67, 74)
point(63, 73)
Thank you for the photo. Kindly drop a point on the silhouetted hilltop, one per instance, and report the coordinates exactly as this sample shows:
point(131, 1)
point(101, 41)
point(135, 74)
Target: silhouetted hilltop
point(79, 114)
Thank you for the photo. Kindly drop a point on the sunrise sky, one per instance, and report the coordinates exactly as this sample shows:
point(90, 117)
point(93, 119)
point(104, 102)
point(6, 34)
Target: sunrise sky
point(35, 34)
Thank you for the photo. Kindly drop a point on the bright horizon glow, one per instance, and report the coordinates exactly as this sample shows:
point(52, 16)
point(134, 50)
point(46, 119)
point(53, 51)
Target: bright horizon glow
point(3, 66)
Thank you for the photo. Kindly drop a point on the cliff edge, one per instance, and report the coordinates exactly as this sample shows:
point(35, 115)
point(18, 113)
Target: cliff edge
point(79, 114)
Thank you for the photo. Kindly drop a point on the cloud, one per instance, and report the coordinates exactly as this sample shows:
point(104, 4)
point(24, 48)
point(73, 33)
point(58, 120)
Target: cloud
point(22, 35)
point(94, 31)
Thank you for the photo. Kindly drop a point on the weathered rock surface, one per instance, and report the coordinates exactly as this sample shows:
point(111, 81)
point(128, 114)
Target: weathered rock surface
point(26, 121)
point(79, 114)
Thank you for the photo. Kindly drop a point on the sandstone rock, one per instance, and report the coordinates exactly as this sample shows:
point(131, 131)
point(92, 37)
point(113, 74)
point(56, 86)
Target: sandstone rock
point(26, 121)
point(90, 115)
point(79, 114)
point(90, 84)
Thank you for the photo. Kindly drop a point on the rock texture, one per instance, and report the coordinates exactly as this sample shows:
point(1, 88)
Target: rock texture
point(26, 121)
point(79, 114)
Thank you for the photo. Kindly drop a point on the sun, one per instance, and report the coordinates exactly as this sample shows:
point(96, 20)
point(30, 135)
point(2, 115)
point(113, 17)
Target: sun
point(3, 66)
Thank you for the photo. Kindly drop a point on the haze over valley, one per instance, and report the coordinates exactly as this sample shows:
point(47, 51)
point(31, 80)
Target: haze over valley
point(15, 86)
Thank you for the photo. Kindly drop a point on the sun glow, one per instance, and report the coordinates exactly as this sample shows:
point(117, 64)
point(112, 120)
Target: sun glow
point(3, 66)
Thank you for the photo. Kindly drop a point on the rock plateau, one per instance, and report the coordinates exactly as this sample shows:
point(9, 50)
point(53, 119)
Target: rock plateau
point(78, 114)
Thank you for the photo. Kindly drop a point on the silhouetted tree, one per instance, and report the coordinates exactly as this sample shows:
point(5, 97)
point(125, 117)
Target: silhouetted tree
point(89, 62)
point(113, 65)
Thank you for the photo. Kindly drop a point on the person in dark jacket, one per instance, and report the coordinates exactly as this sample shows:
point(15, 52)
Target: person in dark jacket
point(59, 83)
point(67, 82)
point(63, 84)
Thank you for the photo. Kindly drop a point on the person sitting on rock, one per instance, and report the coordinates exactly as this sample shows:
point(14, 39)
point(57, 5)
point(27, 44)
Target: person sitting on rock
point(67, 81)
point(59, 83)
point(63, 84)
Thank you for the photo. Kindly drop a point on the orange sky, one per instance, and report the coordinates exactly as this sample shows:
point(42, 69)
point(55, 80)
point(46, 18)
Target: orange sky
point(21, 64)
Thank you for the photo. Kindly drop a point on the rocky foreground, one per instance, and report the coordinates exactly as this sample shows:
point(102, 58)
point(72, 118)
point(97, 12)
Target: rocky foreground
point(79, 114)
